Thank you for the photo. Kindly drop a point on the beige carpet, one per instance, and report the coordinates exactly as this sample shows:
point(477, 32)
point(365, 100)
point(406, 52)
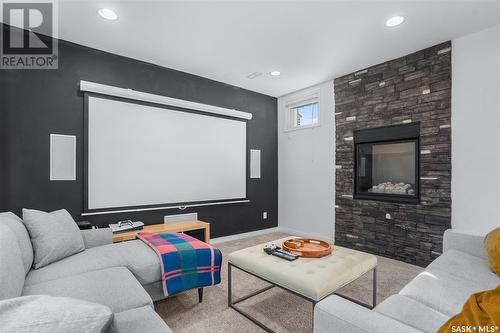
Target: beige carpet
point(278, 309)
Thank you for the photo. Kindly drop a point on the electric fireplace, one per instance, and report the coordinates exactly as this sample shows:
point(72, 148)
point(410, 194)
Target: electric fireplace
point(386, 163)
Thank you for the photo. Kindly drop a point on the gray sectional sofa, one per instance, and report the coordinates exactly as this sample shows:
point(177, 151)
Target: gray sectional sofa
point(123, 276)
point(423, 305)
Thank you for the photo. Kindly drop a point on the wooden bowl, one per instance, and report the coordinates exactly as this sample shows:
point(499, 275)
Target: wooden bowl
point(307, 247)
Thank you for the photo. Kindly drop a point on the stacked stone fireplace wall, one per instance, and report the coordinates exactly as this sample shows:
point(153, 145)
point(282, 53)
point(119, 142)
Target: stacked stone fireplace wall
point(413, 88)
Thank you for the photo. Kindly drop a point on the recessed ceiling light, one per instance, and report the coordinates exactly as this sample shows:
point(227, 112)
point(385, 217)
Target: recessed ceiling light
point(275, 73)
point(395, 21)
point(108, 14)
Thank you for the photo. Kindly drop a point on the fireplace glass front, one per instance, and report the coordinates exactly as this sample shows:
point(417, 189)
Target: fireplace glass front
point(387, 170)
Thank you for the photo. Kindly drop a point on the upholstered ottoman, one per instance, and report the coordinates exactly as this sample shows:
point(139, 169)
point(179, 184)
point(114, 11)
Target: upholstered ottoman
point(310, 278)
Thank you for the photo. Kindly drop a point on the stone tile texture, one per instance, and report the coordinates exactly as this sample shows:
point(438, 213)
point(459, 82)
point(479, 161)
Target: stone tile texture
point(415, 88)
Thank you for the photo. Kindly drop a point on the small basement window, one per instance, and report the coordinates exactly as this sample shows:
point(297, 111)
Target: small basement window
point(303, 113)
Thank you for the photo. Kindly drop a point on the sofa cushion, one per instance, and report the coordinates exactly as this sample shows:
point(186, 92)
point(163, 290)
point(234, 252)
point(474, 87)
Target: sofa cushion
point(466, 266)
point(139, 258)
point(440, 291)
point(97, 237)
point(47, 314)
point(22, 236)
point(472, 244)
point(114, 287)
point(140, 320)
point(337, 314)
point(11, 264)
point(413, 313)
point(54, 236)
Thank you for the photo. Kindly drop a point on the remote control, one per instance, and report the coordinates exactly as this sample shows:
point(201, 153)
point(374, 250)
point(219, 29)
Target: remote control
point(285, 255)
point(279, 252)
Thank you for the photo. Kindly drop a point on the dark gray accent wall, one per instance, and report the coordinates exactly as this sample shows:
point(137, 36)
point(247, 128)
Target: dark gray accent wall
point(36, 103)
point(415, 88)
point(4, 185)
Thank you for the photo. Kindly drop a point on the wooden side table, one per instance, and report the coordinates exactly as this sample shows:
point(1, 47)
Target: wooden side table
point(167, 227)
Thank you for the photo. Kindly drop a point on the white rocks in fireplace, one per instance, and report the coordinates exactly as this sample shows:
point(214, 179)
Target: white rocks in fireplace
point(393, 188)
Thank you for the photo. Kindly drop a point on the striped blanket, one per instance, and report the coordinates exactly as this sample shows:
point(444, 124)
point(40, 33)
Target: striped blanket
point(186, 262)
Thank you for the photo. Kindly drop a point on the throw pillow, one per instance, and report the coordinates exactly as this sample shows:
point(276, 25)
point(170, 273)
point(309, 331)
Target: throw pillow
point(54, 236)
point(481, 310)
point(48, 314)
point(492, 247)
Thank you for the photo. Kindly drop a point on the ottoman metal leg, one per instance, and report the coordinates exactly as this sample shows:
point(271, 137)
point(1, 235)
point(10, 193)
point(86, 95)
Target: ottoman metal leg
point(229, 285)
point(374, 293)
point(232, 303)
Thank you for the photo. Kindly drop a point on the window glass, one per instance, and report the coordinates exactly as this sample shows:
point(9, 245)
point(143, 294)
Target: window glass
point(304, 115)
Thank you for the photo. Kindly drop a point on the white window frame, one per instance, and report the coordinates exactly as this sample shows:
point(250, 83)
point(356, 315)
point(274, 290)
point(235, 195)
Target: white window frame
point(297, 101)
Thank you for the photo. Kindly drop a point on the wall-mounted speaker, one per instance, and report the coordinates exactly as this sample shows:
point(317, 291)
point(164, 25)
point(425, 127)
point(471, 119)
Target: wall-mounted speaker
point(62, 157)
point(254, 163)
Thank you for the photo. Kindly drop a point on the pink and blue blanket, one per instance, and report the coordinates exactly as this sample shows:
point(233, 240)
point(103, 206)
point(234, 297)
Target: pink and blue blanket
point(186, 262)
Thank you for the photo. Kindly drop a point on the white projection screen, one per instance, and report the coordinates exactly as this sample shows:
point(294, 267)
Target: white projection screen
point(142, 155)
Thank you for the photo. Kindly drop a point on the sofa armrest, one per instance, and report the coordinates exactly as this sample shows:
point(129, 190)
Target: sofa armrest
point(336, 314)
point(468, 243)
point(97, 237)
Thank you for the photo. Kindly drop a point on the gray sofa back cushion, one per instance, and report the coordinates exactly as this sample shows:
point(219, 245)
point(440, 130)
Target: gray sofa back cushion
point(54, 236)
point(12, 272)
point(22, 236)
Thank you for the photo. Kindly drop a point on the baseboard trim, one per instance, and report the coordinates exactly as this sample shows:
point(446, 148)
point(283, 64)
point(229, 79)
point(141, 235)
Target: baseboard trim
point(267, 231)
point(304, 234)
point(243, 235)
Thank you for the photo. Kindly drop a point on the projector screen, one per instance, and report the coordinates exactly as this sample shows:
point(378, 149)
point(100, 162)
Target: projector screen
point(140, 155)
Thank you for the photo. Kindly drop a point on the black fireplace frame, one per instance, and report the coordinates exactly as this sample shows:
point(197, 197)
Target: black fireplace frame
point(385, 135)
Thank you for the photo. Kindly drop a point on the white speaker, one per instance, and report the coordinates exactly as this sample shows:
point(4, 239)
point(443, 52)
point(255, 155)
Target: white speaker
point(62, 157)
point(254, 163)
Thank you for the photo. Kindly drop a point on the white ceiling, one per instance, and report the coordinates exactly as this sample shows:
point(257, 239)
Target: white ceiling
point(308, 41)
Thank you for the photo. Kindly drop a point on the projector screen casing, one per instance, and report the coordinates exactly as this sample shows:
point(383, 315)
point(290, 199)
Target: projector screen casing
point(132, 148)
